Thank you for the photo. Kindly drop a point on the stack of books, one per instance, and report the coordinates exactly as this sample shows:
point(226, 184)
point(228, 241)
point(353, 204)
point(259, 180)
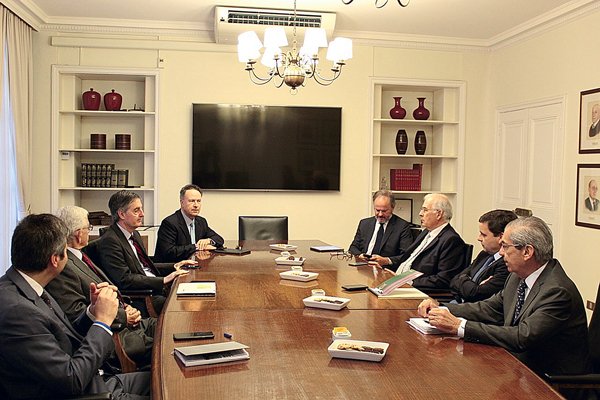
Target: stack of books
point(395, 282)
point(406, 179)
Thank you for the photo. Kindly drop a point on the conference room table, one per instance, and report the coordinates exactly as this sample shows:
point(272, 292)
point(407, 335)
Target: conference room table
point(288, 342)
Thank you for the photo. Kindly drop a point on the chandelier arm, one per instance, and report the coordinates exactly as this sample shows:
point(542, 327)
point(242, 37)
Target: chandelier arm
point(257, 79)
point(381, 6)
point(347, 1)
point(321, 80)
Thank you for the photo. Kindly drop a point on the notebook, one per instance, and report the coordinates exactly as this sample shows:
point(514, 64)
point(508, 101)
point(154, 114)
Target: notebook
point(197, 289)
point(212, 353)
point(326, 248)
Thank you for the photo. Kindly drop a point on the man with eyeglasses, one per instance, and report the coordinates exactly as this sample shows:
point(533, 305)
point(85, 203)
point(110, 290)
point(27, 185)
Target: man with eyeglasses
point(538, 316)
point(71, 291)
point(185, 232)
point(385, 234)
point(121, 253)
point(438, 252)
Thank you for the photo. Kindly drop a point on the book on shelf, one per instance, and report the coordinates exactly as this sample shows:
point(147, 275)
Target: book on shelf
point(212, 353)
point(96, 175)
point(396, 281)
point(197, 289)
point(406, 179)
point(422, 325)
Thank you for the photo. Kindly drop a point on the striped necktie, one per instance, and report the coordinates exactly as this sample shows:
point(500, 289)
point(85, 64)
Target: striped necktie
point(520, 300)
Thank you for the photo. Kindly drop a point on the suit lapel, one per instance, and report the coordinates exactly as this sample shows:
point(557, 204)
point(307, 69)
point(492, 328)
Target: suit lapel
point(84, 269)
point(388, 231)
point(182, 226)
point(125, 243)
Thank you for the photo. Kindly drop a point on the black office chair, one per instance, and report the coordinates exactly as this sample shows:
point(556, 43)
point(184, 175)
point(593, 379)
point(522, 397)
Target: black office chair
point(263, 228)
point(589, 382)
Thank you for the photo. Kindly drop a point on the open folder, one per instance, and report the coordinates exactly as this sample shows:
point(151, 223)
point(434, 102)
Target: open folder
point(212, 353)
point(197, 289)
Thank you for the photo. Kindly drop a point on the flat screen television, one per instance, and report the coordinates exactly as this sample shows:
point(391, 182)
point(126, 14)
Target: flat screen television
point(257, 147)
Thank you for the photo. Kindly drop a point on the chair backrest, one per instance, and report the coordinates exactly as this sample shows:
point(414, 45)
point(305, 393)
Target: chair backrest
point(468, 255)
point(594, 334)
point(262, 228)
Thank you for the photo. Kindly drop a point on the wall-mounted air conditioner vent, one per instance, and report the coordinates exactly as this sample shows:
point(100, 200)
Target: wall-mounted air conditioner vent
point(231, 21)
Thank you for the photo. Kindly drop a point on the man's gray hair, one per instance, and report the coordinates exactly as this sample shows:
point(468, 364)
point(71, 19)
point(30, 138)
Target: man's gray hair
point(534, 232)
point(440, 202)
point(385, 193)
point(75, 218)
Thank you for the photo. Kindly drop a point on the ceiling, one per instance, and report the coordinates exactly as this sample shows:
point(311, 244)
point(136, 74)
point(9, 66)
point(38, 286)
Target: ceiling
point(468, 22)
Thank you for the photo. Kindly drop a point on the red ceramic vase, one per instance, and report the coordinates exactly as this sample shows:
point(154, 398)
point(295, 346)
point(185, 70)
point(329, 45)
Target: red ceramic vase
point(397, 112)
point(91, 100)
point(421, 113)
point(112, 101)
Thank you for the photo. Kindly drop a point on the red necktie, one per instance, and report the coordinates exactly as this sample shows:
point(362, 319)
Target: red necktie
point(90, 264)
point(142, 257)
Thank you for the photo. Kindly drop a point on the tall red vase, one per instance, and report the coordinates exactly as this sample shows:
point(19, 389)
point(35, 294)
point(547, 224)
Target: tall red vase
point(421, 113)
point(397, 112)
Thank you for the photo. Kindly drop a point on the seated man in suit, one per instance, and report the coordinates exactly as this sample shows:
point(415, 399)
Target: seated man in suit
point(438, 252)
point(185, 232)
point(122, 255)
point(71, 290)
point(42, 354)
point(538, 316)
point(487, 273)
point(385, 234)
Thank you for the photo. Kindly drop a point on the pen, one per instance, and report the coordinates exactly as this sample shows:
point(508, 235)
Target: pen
point(228, 335)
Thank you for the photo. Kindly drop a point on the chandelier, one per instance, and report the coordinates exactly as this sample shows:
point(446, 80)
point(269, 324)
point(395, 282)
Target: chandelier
point(294, 67)
point(380, 4)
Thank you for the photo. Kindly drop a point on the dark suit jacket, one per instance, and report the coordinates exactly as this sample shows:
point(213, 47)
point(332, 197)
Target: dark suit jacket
point(594, 130)
point(41, 354)
point(121, 265)
point(551, 331)
point(467, 289)
point(396, 239)
point(588, 203)
point(439, 262)
point(174, 242)
point(71, 290)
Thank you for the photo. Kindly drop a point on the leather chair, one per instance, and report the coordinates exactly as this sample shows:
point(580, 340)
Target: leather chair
point(589, 384)
point(263, 228)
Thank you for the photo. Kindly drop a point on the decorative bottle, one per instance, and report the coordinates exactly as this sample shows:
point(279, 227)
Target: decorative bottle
point(91, 100)
point(420, 143)
point(401, 141)
point(397, 112)
point(421, 113)
point(112, 101)
point(383, 185)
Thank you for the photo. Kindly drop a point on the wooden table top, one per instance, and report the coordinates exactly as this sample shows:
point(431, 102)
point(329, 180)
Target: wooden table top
point(288, 343)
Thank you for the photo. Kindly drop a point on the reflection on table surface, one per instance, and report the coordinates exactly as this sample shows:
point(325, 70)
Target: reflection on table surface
point(288, 342)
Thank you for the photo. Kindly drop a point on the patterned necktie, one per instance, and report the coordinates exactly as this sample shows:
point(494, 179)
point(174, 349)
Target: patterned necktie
point(143, 259)
point(520, 299)
point(378, 240)
point(46, 299)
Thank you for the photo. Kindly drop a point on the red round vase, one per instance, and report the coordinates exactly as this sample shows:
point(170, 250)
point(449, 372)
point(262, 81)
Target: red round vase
point(112, 101)
point(91, 100)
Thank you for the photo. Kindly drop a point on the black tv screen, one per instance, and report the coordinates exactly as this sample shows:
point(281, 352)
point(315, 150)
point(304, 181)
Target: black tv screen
point(255, 147)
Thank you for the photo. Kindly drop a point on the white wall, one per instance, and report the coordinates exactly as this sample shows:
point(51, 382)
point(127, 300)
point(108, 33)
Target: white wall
point(559, 62)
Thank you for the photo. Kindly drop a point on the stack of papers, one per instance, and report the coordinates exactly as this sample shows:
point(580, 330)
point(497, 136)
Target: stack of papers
point(407, 293)
point(422, 325)
point(213, 353)
point(200, 289)
point(388, 286)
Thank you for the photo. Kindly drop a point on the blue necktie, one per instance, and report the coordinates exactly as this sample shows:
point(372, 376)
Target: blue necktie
point(484, 268)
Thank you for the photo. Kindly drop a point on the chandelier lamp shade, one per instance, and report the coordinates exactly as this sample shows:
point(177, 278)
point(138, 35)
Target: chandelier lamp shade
point(295, 66)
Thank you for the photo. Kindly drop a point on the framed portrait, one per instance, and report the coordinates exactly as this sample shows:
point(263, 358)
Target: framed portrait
point(403, 209)
point(589, 121)
point(587, 208)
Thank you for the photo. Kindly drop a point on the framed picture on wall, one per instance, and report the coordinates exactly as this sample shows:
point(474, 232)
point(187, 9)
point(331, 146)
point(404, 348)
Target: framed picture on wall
point(589, 121)
point(403, 209)
point(587, 208)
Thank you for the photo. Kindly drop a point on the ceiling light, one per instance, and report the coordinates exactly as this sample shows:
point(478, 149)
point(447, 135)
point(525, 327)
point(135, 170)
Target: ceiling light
point(296, 66)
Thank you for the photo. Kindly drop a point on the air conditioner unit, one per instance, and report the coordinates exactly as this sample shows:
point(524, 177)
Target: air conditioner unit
point(231, 21)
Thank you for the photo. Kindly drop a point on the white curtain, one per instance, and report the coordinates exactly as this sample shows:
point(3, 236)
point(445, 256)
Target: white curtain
point(16, 99)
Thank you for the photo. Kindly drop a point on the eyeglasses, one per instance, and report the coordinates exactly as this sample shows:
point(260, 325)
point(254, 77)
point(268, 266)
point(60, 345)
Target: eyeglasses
point(505, 246)
point(341, 255)
point(425, 209)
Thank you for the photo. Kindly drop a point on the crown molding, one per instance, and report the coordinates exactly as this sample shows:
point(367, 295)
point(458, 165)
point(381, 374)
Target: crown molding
point(35, 17)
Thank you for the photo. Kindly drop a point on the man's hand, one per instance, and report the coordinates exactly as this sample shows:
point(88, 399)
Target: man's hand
point(184, 262)
point(203, 255)
point(133, 315)
point(104, 302)
point(426, 306)
point(171, 277)
point(441, 318)
point(361, 257)
point(380, 261)
point(204, 244)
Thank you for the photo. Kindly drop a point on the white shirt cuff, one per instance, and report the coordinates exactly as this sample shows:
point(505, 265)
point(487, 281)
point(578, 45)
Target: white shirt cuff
point(461, 328)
